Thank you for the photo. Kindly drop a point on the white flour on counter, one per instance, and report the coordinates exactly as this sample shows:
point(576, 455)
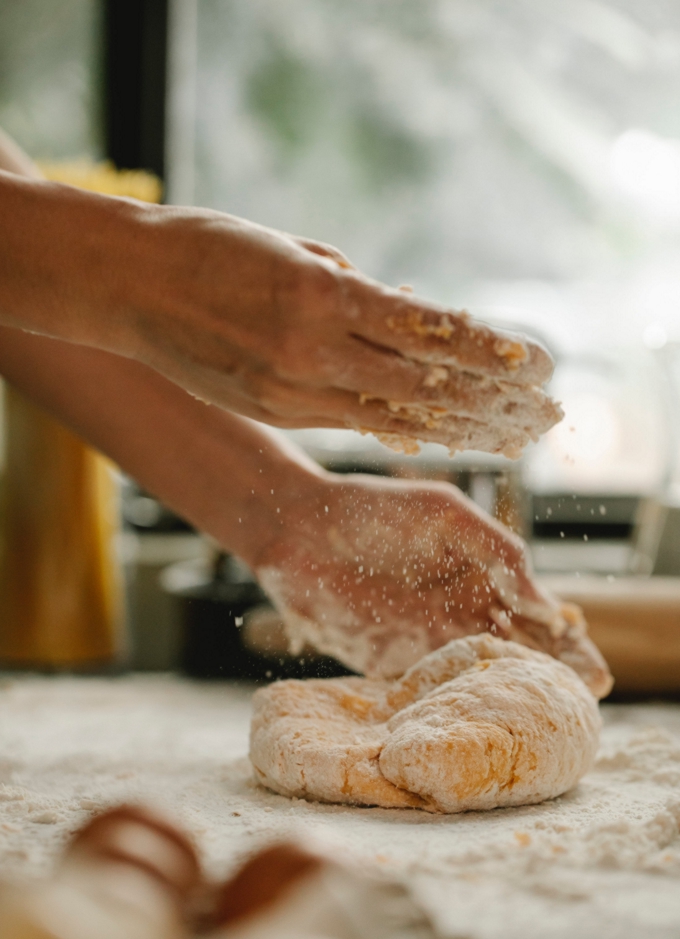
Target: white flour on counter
point(602, 861)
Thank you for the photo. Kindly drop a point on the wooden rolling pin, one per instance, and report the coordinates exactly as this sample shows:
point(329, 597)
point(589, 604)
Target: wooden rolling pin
point(635, 622)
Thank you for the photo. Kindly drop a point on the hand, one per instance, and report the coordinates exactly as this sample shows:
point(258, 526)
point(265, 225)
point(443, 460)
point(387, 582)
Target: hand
point(286, 331)
point(271, 326)
point(379, 572)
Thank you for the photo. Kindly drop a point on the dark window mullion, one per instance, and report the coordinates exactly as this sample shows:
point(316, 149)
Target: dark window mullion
point(135, 82)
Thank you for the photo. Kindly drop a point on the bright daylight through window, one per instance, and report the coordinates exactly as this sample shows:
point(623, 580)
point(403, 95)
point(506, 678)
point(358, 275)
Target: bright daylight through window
point(520, 158)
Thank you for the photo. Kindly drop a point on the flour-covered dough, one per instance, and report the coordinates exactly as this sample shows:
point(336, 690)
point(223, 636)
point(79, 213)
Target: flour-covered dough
point(479, 723)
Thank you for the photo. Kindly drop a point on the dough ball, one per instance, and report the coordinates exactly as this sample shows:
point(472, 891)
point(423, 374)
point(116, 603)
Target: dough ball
point(477, 724)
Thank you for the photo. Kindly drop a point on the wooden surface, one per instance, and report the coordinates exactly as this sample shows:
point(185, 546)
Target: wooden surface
point(635, 621)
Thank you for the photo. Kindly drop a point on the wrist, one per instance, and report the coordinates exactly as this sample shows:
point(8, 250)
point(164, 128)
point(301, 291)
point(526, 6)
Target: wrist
point(281, 499)
point(241, 482)
point(68, 262)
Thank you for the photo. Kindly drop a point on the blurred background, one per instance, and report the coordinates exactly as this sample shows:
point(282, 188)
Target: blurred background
point(519, 158)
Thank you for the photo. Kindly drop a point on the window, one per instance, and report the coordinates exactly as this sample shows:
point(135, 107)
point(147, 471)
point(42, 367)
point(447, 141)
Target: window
point(520, 157)
point(49, 76)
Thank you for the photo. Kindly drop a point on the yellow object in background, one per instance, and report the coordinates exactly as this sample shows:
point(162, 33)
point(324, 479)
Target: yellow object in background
point(61, 587)
point(105, 178)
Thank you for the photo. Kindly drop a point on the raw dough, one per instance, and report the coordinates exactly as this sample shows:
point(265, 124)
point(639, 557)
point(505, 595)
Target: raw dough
point(479, 723)
point(514, 415)
point(483, 389)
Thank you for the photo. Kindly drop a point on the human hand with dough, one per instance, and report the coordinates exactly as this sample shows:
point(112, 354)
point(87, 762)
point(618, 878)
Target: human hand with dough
point(380, 572)
point(124, 297)
point(270, 326)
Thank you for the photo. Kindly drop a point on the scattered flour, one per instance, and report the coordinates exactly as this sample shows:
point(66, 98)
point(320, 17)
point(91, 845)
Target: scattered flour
point(602, 861)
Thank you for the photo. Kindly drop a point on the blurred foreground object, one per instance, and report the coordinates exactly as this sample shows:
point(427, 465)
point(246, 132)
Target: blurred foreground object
point(126, 875)
point(60, 579)
point(129, 874)
point(288, 892)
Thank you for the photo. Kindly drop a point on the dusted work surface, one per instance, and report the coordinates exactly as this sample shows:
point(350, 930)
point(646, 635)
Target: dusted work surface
point(603, 861)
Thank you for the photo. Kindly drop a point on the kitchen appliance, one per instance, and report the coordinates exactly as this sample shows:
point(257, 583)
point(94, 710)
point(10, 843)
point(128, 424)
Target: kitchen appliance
point(229, 629)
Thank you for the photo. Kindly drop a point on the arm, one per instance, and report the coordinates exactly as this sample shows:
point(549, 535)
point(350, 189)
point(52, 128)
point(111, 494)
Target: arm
point(177, 446)
point(376, 572)
point(214, 468)
point(270, 326)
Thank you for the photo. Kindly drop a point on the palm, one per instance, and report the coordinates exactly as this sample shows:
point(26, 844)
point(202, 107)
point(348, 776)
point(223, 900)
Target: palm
point(382, 572)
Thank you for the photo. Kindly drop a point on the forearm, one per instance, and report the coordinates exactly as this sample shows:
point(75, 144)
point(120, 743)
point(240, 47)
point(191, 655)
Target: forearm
point(230, 477)
point(225, 474)
point(67, 259)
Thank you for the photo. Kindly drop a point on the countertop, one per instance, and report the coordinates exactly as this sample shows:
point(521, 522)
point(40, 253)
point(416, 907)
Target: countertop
point(602, 861)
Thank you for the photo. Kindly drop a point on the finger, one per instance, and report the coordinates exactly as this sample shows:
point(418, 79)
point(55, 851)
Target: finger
point(579, 652)
point(325, 251)
point(431, 333)
point(272, 400)
point(396, 423)
point(400, 426)
point(465, 615)
point(520, 594)
point(572, 646)
point(388, 375)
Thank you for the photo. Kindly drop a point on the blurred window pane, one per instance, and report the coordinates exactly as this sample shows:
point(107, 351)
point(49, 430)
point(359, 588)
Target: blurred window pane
point(49, 76)
point(522, 156)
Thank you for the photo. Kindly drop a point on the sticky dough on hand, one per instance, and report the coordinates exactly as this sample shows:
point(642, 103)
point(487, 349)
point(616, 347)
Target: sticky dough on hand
point(479, 723)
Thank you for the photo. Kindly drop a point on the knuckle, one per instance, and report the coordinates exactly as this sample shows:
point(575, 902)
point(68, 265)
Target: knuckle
point(315, 288)
point(310, 311)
